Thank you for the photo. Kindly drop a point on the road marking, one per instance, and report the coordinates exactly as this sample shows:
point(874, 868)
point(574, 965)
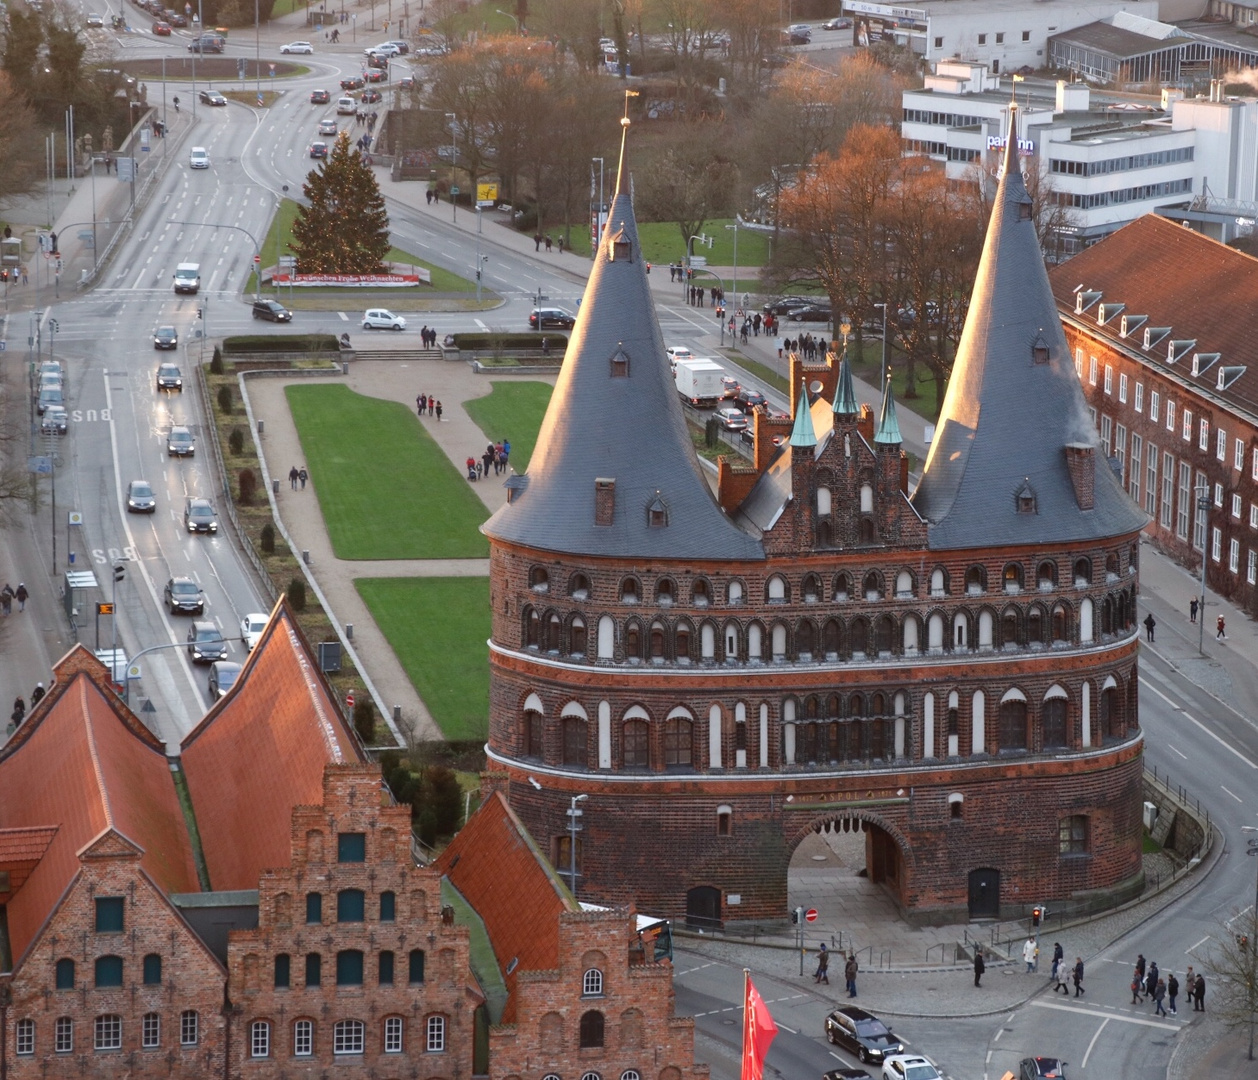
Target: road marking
point(1198, 723)
point(1174, 750)
point(1234, 796)
point(1093, 1012)
point(1088, 1052)
point(344, 317)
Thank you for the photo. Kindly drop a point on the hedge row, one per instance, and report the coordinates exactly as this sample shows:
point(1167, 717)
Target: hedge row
point(279, 343)
point(487, 341)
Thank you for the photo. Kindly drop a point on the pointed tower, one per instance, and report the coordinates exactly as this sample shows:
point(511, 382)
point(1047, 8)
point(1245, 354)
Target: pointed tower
point(614, 472)
point(1014, 413)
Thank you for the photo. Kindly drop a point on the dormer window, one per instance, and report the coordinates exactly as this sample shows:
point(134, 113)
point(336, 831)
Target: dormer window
point(657, 514)
point(1039, 350)
point(1026, 498)
point(1024, 211)
point(620, 364)
point(620, 248)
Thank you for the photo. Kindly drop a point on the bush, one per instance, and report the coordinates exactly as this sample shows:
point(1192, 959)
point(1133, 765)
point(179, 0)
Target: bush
point(216, 362)
point(248, 486)
point(297, 594)
point(488, 341)
point(281, 343)
point(425, 824)
point(267, 539)
point(236, 440)
point(365, 721)
point(225, 400)
point(443, 796)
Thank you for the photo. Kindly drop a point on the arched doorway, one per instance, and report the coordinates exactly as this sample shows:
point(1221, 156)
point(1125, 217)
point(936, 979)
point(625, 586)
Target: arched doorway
point(985, 894)
point(849, 859)
point(703, 908)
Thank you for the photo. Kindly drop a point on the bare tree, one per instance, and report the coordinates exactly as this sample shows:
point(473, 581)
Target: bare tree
point(20, 146)
point(1233, 959)
point(689, 181)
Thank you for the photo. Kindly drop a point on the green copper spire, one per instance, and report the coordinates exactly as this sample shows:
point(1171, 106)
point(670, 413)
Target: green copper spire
point(888, 431)
point(844, 395)
point(802, 434)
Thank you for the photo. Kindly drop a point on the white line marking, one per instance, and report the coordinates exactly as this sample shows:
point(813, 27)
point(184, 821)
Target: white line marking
point(1175, 750)
point(1088, 1052)
point(1230, 749)
point(1234, 796)
point(1093, 1012)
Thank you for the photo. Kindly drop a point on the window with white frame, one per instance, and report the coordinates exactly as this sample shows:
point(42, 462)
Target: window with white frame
point(151, 1031)
point(1237, 502)
point(592, 983)
point(108, 1032)
point(259, 1039)
point(1120, 449)
point(64, 1035)
point(630, 1074)
point(1185, 426)
point(1092, 370)
point(1203, 436)
point(1181, 516)
point(1170, 416)
point(1168, 489)
point(1251, 574)
point(1253, 515)
point(1138, 403)
point(1218, 490)
point(1220, 449)
point(1107, 435)
point(303, 1038)
point(1079, 362)
point(1109, 379)
point(1216, 544)
point(1122, 388)
point(1254, 467)
point(392, 1034)
point(348, 1037)
point(1238, 457)
point(1154, 397)
point(25, 1038)
point(189, 1028)
point(1234, 556)
point(1137, 447)
point(435, 1034)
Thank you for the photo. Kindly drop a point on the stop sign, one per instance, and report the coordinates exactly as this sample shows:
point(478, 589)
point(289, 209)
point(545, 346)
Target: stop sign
point(811, 914)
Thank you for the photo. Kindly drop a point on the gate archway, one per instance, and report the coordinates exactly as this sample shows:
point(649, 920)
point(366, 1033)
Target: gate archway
point(887, 856)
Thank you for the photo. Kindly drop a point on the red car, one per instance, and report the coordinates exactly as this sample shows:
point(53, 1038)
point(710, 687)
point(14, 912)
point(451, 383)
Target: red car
point(319, 97)
point(370, 97)
point(354, 82)
point(373, 76)
point(161, 29)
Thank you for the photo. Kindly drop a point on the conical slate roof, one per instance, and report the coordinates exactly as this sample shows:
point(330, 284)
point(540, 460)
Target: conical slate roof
point(888, 432)
point(1013, 406)
point(803, 435)
point(615, 416)
point(844, 393)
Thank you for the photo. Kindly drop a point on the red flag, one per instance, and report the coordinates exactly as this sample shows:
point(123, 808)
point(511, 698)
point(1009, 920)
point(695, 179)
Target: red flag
point(759, 1031)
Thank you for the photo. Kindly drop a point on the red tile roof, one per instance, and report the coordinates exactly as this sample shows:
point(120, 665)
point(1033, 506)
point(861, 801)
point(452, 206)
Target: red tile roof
point(1180, 279)
point(82, 765)
point(498, 869)
point(259, 752)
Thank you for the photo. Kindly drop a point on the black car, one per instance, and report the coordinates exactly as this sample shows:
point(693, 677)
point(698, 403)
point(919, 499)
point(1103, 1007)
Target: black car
point(184, 594)
point(354, 82)
point(223, 675)
point(199, 516)
point(370, 96)
point(796, 37)
point(169, 377)
point(747, 399)
point(318, 152)
point(862, 1033)
point(550, 318)
point(205, 643)
point(212, 97)
point(165, 337)
point(846, 1074)
point(271, 311)
point(783, 305)
point(1042, 1068)
point(810, 313)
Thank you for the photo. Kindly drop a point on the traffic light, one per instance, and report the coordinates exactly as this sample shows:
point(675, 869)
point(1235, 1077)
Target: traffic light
point(1037, 913)
point(200, 313)
point(796, 914)
point(1243, 941)
point(120, 572)
point(52, 238)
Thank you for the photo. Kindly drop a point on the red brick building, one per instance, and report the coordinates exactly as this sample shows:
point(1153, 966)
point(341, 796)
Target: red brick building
point(1160, 319)
point(951, 670)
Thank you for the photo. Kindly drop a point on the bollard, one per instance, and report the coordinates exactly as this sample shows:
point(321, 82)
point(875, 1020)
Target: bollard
point(397, 714)
point(275, 485)
point(349, 631)
point(344, 367)
point(72, 558)
point(305, 556)
point(261, 426)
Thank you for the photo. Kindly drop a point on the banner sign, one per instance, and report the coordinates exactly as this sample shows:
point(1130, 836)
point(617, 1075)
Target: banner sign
point(351, 281)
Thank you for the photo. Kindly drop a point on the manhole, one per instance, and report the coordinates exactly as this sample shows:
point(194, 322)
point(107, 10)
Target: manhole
point(818, 858)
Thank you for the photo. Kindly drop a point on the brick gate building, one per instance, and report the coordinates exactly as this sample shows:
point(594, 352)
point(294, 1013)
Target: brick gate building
point(951, 670)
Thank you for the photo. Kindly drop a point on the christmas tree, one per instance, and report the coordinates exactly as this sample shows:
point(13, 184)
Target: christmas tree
point(343, 227)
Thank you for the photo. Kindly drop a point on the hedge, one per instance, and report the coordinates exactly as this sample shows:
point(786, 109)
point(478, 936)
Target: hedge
point(505, 342)
point(280, 343)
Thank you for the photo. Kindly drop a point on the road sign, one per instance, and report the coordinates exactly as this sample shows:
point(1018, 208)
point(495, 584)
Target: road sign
point(40, 464)
point(257, 259)
point(260, 100)
point(104, 609)
point(811, 914)
point(454, 189)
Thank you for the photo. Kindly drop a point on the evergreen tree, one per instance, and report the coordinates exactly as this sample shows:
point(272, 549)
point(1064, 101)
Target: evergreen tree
point(343, 228)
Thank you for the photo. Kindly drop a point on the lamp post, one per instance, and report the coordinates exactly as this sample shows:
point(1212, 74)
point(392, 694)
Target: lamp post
point(1203, 509)
point(574, 812)
point(734, 284)
point(1252, 849)
point(279, 203)
point(884, 336)
point(598, 217)
point(704, 239)
point(518, 28)
point(454, 165)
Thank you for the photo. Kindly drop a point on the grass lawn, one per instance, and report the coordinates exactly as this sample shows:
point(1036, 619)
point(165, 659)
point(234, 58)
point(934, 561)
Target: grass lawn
point(386, 489)
point(513, 411)
point(662, 243)
point(438, 628)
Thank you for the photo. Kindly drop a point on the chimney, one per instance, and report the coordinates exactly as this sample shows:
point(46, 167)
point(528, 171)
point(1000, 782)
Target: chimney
point(604, 500)
point(1081, 462)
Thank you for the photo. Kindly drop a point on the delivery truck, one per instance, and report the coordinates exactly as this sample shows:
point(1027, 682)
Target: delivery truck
point(699, 381)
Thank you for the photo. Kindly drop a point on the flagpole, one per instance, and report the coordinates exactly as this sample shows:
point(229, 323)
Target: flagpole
point(745, 1073)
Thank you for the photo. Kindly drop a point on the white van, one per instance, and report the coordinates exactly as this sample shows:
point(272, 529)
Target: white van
point(199, 158)
point(346, 106)
point(187, 277)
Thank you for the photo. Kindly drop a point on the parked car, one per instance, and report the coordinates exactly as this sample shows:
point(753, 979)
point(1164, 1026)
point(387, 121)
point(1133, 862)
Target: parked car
point(327, 127)
point(731, 419)
point(205, 643)
point(387, 49)
point(318, 150)
point(251, 627)
point(403, 48)
point(51, 367)
point(199, 516)
point(784, 304)
point(50, 394)
point(863, 1034)
point(140, 498)
point(161, 29)
point(749, 399)
point(319, 97)
point(55, 420)
point(169, 377)
point(223, 676)
point(1041, 1068)
point(382, 319)
point(212, 97)
point(180, 443)
point(165, 337)
point(846, 1074)
point(271, 311)
point(909, 1067)
point(354, 82)
point(298, 47)
point(550, 319)
point(182, 594)
point(370, 96)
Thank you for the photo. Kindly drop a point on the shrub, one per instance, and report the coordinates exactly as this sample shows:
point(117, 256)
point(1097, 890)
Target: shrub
point(443, 796)
point(425, 824)
point(285, 343)
point(365, 721)
point(248, 486)
point(216, 362)
point(389, 760)
point(236, 440)
point(225, 400)
point(267, 539)
point(297, 594)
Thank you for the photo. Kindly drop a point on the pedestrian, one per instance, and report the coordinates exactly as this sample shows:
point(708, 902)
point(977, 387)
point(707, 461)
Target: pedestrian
point(37, 695)
point(1063, 978)
point(293, 477)
point(1078, 976)
point(1151, 980)
point(1159, 993)
point(1172, 990)
point(1140, 966)
point(432, 404)
point(1059, 953)
point(24, 279)
point(537, 241)
point(21, 596)
point(1220, 624)
point(1192, 610)
point(1199, 993)
point(548, 243)
point(303, 476)
point(19, 708)
point(850, 971)
point(823, 964)
point(421, 403)
point(1137, 984)
point(471, 469)
point(6, 599)
point(489, 457)
point(1149, 623)
point(979, 966)
point(561, 245)
point(1028, 955)
point(438, 410)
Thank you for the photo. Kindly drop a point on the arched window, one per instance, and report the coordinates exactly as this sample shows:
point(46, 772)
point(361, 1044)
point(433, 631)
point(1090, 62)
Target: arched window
point(912, 634)
point(107, 1032)
point(633, 641)
point(1053, 722)
point(903, 585)
point(1013, 723)
point(731, 641)
point(677, 742)
point(811, 588)
point(1111, 566)
point(592, 983)
point(630, 591)
point(871, 586)
point(575, 752)
point(303, 1038)
point(259, 1039)
point(823, 501)
point(681, 641)
point(533, 729)
point(935, 632)
point(348, 1037)
point(1060, 623)
point(938, 582)
point(1083, 572)
point(843, 587)
point(539, 579)
point(1046, 576)
point(635, 745)
point(975, 580)
point(579, 587)
point(1036, 626)
point(576, 642)
point(775, 591)
point(553, 626)
point(1012, 577)
point(707, 641)
point(960, 631)
point(1010, 627)
point(805, 639)
point(778, 642)
point(606, 637)
point(884, 635)
point(151, 1031)
point(832, 638)
point(657, 640)
point(755, 641)
point(858, 636)
point(702, 592)
point(985, 629)
point(734, 593)
point(394, 1026)
point(867, 499)
point(532, 628)
point(665, 592)
point(591, 1029)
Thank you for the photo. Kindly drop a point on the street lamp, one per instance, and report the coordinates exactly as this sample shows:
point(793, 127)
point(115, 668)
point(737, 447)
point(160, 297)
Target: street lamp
point(734, 286)
point(704, 239)
point(454, 165)
point(884, 337)
point(598, 218)
point(518, 28)
point(574, 828)
point(1203, 508)
point(1251, 849)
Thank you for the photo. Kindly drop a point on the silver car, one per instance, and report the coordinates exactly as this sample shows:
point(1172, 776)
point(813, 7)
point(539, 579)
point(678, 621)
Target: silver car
point(382, 319)
point(140, 498)
point(180, 443)
point(55, 420)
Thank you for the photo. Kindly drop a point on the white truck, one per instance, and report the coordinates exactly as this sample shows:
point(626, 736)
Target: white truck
point(699, 381)
point(187, 277)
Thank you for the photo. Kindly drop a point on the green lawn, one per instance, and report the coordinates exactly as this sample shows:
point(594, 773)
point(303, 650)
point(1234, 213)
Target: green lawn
point(438, 628)
point(662, 243)
point(386, 489)
point(512, 411)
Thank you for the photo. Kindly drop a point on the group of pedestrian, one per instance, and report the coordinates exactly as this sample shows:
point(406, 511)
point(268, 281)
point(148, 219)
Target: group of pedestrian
point(426, 403)
point(807, 346)
point(1061, 970)
point(19, 705)
point(850, 970)
point(298, 476)
point(1148, 984)
point(495, 457)
point(8, 594)
point(428, 336)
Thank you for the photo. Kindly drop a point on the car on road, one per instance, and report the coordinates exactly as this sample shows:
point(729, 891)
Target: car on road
point(854, 1029)
point(406, 82)
point(175, 19)
point(161, 29)
point(50, 394)
point(731, 386)
point(810, 313)
point(346, 106)
point(165, 337)
point(198, 158)
point(169, 377)
point(140, 497)
point(95, 20)
point(319, 97)
point(731, 419)
point(223, 676)
point(199, 516)
point(206, 45)
point(375, 75)
point(302, 47)
point(51, 367)
point(846, 1074)
point(182, 594)
point(371, 96)
point(748, 399)
point(403, 48)
point(212, 97)
point(180, 443)
point(909, 1067)
point(782, 305)
point(382, 319)
point(839, 22)
point(775, 60)
point(797, 37)
point(205, 643)
point(387, 49)
point(318, 150)
point(55, 420)
point(550, 318)
point(1040, 1068)
point(748, 435)
point(251, 627)
point(327, 127)
point(271, 311)
point(354, 82)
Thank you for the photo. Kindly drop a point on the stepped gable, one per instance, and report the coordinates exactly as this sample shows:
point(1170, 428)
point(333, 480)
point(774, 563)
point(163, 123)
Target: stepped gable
point(81, 768)
point(1016, 458)
point(809, 435)
point(260, 751)
point(614, 472)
